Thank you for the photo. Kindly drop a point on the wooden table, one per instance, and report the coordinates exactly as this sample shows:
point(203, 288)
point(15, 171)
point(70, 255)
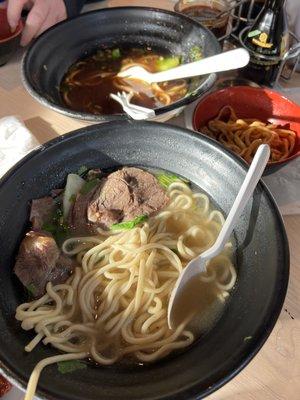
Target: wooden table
point(274, 374)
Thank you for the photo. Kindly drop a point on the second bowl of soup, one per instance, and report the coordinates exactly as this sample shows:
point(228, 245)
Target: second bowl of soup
point(79, 79)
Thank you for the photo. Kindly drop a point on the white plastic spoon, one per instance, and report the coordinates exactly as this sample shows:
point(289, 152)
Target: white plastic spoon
point(227, 61)
point(198, 264)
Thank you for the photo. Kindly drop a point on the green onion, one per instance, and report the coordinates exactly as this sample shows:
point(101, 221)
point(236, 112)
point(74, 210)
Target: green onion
point(31, 289)
point(165, 63)
point(88, 186)
point(166, 179)
point(65, 367)
point(195, 53)
point(72, 198)
point(82, 170)
point(56, 226)
point(49, 227)
point(115, 54)
point(129, 224)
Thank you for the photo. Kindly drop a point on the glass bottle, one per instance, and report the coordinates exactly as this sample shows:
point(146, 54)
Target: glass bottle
point(267, 42)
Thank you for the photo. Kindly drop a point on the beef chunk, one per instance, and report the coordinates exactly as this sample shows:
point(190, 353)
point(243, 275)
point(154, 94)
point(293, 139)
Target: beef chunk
point(40, 261)
point(41, 212)
point(124, 195)
point(77, 218)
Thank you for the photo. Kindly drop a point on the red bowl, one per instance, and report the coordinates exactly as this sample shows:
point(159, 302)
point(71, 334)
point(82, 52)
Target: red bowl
point(248, 102)
point(9, 41)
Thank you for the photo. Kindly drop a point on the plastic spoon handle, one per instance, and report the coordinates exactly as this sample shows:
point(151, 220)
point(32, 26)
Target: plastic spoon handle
point(253, 175)
point(227, 61)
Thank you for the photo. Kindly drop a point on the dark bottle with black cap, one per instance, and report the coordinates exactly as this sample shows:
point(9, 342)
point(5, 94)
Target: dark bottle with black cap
point(267, 42)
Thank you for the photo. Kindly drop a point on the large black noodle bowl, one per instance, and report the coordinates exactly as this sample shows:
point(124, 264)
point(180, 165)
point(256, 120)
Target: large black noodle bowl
point(262, 259)
point(50, 56)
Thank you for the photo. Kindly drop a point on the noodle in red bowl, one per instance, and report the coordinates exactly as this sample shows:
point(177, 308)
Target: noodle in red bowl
point(242, 117)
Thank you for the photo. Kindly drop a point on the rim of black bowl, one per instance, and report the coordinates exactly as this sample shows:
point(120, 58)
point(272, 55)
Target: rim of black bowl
point(279, 299)
point(204, 86)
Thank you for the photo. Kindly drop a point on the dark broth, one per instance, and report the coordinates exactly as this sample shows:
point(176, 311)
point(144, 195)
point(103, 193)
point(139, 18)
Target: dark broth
point(208, 17)
point(88, 83)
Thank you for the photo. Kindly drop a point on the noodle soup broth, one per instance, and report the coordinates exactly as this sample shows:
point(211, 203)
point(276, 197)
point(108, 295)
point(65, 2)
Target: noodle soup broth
point(113, 307)
point(88, 83)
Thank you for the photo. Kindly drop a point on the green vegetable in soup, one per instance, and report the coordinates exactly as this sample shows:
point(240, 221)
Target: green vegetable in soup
point(129, 224)
point(82, 170)
point(88, 186)
point(166, 179)
point(56, 226)
point(31, 289)
point(165, 63)
point(115, 54)
point(195, 53)
point(49, 227)
point(65, 367)
point(72, 198)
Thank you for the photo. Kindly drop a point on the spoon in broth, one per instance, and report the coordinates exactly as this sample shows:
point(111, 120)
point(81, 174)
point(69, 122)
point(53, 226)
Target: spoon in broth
point(182, 302)
point(227, 61)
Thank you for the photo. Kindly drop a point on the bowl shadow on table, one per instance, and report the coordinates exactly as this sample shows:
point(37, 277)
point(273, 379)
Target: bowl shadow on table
point(41, 129)
point(253, 103)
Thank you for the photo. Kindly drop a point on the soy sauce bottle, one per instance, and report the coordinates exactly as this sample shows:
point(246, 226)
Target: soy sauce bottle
point(245, 6)
point(267, 42)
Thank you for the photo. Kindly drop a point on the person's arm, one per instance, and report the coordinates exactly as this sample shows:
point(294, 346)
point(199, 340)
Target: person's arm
point(42, 15)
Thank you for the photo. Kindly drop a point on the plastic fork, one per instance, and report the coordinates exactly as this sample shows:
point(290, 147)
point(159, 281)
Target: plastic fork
point(198, 264)
point(134, 111)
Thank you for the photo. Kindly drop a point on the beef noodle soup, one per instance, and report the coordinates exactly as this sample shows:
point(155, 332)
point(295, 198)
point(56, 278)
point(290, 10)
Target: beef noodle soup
point(88, 83)
point(101, 259)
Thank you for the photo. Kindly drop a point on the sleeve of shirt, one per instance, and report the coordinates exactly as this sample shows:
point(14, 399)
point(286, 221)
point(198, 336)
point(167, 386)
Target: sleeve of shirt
point(73, 7)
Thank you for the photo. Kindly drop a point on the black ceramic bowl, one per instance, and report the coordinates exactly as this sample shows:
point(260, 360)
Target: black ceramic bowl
point(262, 260)
point(50, 56)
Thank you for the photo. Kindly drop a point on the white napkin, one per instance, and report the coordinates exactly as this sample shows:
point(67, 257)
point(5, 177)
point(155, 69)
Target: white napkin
point(15, 142)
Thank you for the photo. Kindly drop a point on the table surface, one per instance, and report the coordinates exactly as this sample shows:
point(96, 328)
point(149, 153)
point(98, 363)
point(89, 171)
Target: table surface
point(274, 374)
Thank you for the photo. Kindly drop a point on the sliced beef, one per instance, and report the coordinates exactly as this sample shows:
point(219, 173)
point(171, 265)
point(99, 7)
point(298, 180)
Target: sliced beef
point(124, 195)
point(40, 261)
point(41, 211)
point(77, 218)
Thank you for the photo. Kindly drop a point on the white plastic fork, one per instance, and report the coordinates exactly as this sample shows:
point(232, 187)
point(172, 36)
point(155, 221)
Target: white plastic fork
point(198, 264)
point(134, 111)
